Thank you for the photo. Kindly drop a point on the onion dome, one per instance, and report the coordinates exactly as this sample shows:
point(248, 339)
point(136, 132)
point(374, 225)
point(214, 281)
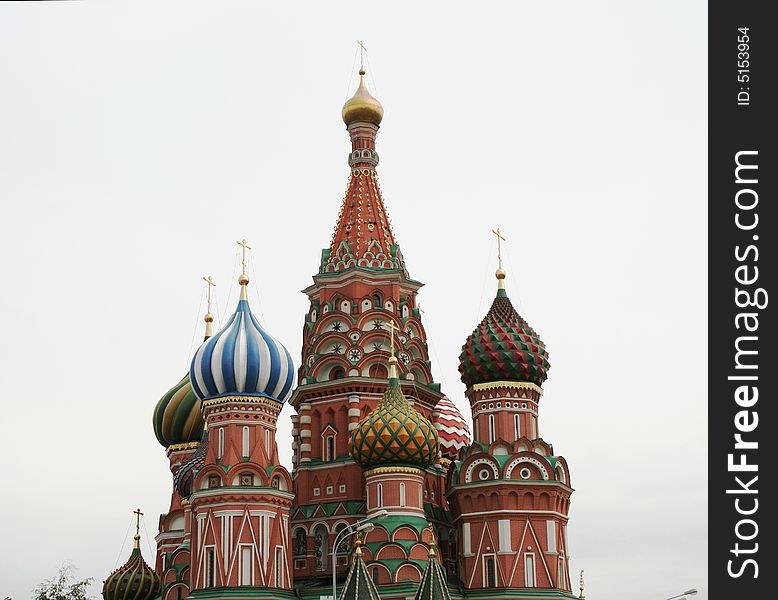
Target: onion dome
point(394, 432)
point(135, 580)
point(362, 106)
point(433, 581)
point(359, 585)
point(503, 347)
point(453, 430)
point(178, 417)
point(242, 359)
point(184, 476)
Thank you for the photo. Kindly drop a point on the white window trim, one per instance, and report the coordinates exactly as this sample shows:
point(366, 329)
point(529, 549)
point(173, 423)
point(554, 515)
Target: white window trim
point(484, 573)
point(530, 577)
point(246, 441)
point(492, 432)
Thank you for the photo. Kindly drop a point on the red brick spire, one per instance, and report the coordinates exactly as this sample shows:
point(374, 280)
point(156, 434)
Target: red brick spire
point(363, 235)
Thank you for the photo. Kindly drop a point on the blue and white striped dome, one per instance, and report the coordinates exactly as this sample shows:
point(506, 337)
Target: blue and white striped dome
point(242, 359)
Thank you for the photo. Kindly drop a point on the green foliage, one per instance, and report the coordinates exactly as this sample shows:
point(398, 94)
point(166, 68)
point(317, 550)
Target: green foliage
point(63, 586)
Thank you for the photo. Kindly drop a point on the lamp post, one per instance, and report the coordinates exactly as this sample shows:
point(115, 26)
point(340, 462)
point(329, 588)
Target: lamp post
point(690, 592)
point(351, 529)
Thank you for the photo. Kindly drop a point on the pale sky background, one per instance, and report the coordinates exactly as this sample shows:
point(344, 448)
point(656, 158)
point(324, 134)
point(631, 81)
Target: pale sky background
point(139, 140)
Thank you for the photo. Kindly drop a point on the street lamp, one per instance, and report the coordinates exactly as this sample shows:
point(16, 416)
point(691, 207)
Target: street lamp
point(348, 530)
point(690, 592)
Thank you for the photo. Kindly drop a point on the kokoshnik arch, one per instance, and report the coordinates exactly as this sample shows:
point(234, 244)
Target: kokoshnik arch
point(373, 435)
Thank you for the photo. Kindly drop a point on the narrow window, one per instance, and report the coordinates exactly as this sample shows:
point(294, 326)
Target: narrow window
point(491, 429)
point(420, 501)
point(245, 565)
point(402, 494)
point(330, 450)
point(517, 426)
point(279, 567)
point(529, 570)
point(380, 496)
point(245, 442)
point(560, 578)
point(534, 428)
point(267, 442)
point(376, 578)
point(210, 567)
point(491, 574)
point(220, 449)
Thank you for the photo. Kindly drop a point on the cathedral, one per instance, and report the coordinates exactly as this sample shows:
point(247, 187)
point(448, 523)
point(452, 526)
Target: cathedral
point(389, 496)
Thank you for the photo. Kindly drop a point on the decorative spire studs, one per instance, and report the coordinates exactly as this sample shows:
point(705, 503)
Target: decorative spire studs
point(208, 318)
point(581, 588)
point(500, 273)
point(243, 280)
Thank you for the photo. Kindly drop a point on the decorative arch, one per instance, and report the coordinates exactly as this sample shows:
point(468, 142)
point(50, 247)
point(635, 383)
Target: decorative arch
point(541, 466)
point(407, 572)
point(484, 460)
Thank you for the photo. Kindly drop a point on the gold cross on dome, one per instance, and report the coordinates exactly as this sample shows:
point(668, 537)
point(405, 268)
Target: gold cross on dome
point(362, 51)
point(138, 514)
point(243, 244)
point(500, 238)
point(392, 327)
point(211, 284)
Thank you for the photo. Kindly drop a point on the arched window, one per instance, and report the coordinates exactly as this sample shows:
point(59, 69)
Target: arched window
point(245, 442)
point(375, 574)
point(329, 448)
point(337, 373)
point(517, 426)
point(377, 301)
point(378, 371)
point(380, 494)
point(492, 435)
point(220, 448)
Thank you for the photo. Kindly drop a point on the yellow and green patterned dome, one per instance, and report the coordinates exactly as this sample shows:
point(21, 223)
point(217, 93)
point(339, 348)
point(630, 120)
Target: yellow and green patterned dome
point(394, 433)
point(178, 416)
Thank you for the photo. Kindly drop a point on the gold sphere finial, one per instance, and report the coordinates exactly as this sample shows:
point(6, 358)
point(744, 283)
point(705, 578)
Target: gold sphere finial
point(208, 318)
point(243, 279)
point(500, 273)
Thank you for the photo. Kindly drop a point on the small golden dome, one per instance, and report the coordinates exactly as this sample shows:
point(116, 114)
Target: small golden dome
point(362, 106)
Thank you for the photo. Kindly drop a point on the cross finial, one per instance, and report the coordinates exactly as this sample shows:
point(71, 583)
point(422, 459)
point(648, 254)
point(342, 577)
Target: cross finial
point(392, 357)
point(208, 315)
point(243, 280)
point(138, 514)
point(581, 595)
point(362, 51)
point(500, 273)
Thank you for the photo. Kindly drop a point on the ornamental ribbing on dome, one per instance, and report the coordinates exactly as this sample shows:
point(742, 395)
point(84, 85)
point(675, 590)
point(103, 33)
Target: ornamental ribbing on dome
point(453, 431)
point(184, 476)
point(394, 433)
point(503, 348)
point(178, 416)
point(135, 580)
point(242, 360)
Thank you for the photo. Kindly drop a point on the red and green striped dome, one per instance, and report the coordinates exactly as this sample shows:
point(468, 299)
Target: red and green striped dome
point(503, 348)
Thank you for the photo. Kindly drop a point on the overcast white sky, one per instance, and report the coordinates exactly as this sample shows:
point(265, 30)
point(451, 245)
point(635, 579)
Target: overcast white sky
point(139, 140)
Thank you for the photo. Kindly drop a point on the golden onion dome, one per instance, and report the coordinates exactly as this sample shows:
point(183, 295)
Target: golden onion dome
point(394, 433)
point(362, 106)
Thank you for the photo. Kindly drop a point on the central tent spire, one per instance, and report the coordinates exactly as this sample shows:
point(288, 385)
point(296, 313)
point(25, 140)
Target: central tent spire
point(363, 235)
